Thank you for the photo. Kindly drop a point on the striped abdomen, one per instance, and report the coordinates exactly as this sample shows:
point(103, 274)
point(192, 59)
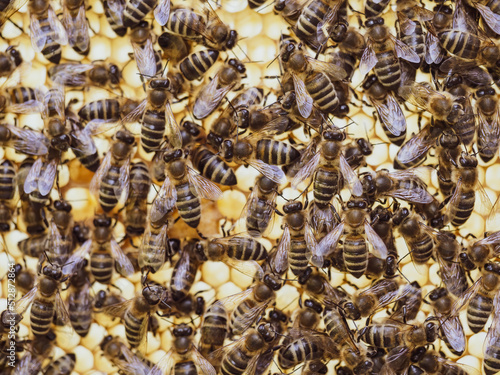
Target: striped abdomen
point(188, 205)
point(152, 257)
point(247, 249)
point(298, 256)
point(355, 255)
point(152, 129)
point(213, 329)
point(91, 162)
point(327, 183)
point(335, 326)
point(185, 23)
point(196, 64)
point(298, 351)
point(140, 181)
point(388, 70)
point(309, 19)
point(322, 91)
point(136, 10)
point(416, 41)
point(183, 276)
point(107, 197)
point(21, 95)
point(62, 366)
point(52, 50)
point(381, 335)
point(235, 362)
point(464, 208)
point(213, 167)
point(185, 368)
point(80, 311)
point(421, 248)
point(7, 180)
point(276, 152)
point(460, 43)
point(42, 314)
point(491, 362)
point(115, 19)
point(103, 109)
point(240, 315)
point(373, 9)
point(259, 215)
point(133, 323)
point(101, 266)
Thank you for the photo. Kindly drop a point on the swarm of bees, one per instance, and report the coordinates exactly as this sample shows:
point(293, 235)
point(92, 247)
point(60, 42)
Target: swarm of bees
point(320, 217)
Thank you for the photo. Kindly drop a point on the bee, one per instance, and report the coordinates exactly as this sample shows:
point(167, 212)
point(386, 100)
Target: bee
point(147, 59)
point(213, 328)
point(329, 169)
point(448, 150)
point(490, 349)
point(306, 346)
point(184, 358)
point(135, 11)
point(312, 79)
point(128, 363)
point(34, 245)
point(113, 9)
point(212, 166)
point(336, 327)
point(432, 363)
point(389, 112)
point(375, 8)
point(379, 295)
point(36, 352)
point(80, 302)
point(351, 45)
point(210, 96)
point(99, 111)
point(7, 193)
point(408, 306)
point(81, 75)
point(83, 146)
point(113, 176)
point(25, 141)
point(308, 317)
point(136, 205)
point(488, 131)
point(77, 29)
point(209, 30)
point(10, 60)
point(105, 298)
point(480, 306)
point(63, 365)
point(105, 253)
point(319, 288)
point(196, 64)
point(184, 188)
point(174, 47)
point(289, 10)
point(47, 33)
point(135, 313)
point(358, 233)
point(314, 367)
point(246, 351)
point(381, 221)
point(60, 238)
point(382, 53)
point(184, 272)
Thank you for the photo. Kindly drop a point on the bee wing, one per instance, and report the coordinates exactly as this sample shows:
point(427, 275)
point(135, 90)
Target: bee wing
point(350, 177)
point(307, 170)
point(118, 310)
point(47, 178)
point(145, 58)
point(449, 274)
point(282, 251)
point(164, 201)
point(77, 28)
point(414, 196)
point(327, 245)
point(454, 331)
point(204, 187)
point(273, 172)
point(209, 98)
point(378, 244)
point(433, 50)
point(491, 18)
point(416, 146)
point(173, 131)
point(10, 9)
point(381, 288)
point(100, 173)
point(160, 240)
point(162, 12)
point(304, 100)
point(38, 37)
point(62, 312)
point(368, 60)
point(391, 114)
point(125, 266)
point(76, 258)
point(462, 302)
point(406, 25)
point(449, 367)
point(31, 182)
point(251, 315)
point(229, 303)
point(165, 364)
point(247, 267)
point(123, 181)
point(395, 357)
point(417, 94)
point(116, 8)
point(335, 72)
point(59, 35)
point(136, 114)
point(182, 267)
point(269, 211)
point(24, 302)
point(82, 141)
point(29, 141)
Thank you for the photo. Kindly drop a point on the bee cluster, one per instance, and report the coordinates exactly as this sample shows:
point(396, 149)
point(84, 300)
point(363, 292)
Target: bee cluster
point(258, 187)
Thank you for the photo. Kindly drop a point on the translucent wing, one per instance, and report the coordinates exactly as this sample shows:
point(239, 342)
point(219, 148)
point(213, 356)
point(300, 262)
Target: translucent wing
point(368, 60)
point(24, 302)
point(77, 256)
point(82, 141)
point(162, 12)
point(247, 267)
point(116, 8)
point(391, 115)
point(416, 146)
point(10, 9)
point(282, 251)
point(38, 37)
point(123, 181)
point(145, 249)
point(47, 178)
point(304, 100)
point(454, 332)
point(350, 177)
point(433, 50)
point(166, 363)
point(59, 35)
point(54, 99)
point(29, 141)
point(145, 58)
point(119, 309)
point(172, 129)
point(209, 98)
point(374, 239)
point(404, 52)
point(103, 169)
point(307, 170)
point(182, 267)
point(327, 245)
point(78, 30)
point(406, 25)
point(273, 172)
point(204, 187)
point(62, 312)
point(31, 182)
point(335, 72)
point(229, 303)
point(164, 202)
point(125, 266)
point(414, 196)
point(491, 18)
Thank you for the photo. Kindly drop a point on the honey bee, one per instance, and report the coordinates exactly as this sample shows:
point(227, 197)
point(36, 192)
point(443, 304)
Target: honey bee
point(209, 30)
point(80, 302)
point(60, 238)
point(289, 10)
point(113, 176)
point(407, 307)
point(213, 167)
point(185, 269)
point(210, 96)
point(135, 313)
point(75, 22)
point(389, 112)
point(31, 362)
point(196, 64)
point(136, 205)
point(375, 8)
point(488, 131)
point(10, 60)
point(147, 59)
point(63, 365)
point(114, 14)
point(383, 52)
point(174, 47)
point(136, 10)
point(308, 317)
point(213, 328)
point(379, 295)
point(184, 358)
point(184, 188)
point(81, 75)
point(7, 194)
point(448, 151)
point(25, 141)
point(351, 45)
point(105, 253)
point(83, 146)
point(432, 363)
point(490, 349)
point(47, 32)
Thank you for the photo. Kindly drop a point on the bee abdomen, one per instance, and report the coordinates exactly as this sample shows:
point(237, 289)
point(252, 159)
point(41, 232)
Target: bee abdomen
point(196, 64)
point(298, 256)
point(7, 182)
point(185, 23)
point(309, 19)
point(41, 317)
point(326, 185)
point(152, 130)
point(81, 319)
point(133, 329)
point(297, 352)
point(235, 363)
point(355, 255)
point(478, 312)
point(416, 41)
point(259, 216)
point(101, 266)
point(322, 91)
point(381, 336)
point(460, 43)
point(373, 9)
point(252, 250)
point(388, 70)
point(104, 109)
point(136, 10)
point(464, 208)
point(239, 315)
point(491, 362)
point(276, 152)
point(188, 205)
point(213, 167)
point(107, 196)
point(185, 368)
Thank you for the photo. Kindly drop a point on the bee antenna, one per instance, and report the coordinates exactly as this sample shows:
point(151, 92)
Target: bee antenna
point(47, 257)
point(273, 60)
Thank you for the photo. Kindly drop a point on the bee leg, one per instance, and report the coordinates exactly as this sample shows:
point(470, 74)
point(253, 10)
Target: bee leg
point(115, 286)
point(201, 235)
